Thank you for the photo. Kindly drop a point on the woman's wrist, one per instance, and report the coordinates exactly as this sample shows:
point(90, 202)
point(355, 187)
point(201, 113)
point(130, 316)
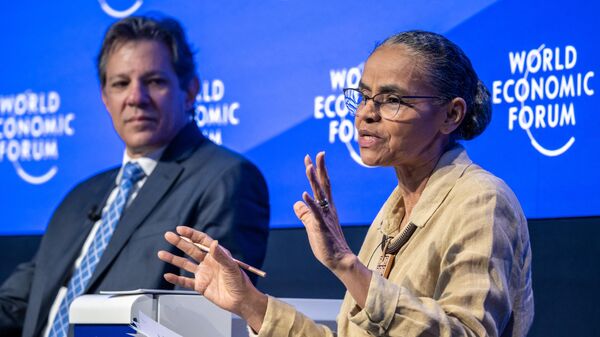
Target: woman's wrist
point(355, 276)
point(254, 308)
point(345, 264)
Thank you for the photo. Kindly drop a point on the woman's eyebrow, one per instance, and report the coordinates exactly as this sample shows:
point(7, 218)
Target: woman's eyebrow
point(362, 85)
point(392, 88)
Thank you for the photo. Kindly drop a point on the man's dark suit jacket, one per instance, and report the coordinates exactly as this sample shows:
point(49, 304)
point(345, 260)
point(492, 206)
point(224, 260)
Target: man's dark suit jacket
point(195, 183)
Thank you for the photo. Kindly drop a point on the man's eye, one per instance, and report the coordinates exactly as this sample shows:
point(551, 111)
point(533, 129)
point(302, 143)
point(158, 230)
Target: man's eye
point(157, 81)
point(119, 84)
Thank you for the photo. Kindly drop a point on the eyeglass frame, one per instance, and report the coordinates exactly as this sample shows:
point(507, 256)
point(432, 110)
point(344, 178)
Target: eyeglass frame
point(366, 98)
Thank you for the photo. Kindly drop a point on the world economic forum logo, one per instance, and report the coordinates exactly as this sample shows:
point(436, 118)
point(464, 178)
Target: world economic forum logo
point(30, 125)
point(115, 13)
point(540, 93)
point(331, 107)
point(215, 111)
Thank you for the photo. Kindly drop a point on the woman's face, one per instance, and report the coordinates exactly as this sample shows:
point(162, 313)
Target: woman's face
point(414, 137)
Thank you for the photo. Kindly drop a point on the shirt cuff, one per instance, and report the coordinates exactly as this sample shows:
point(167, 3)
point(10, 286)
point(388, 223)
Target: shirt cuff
point(380, 306)
point(279, 319)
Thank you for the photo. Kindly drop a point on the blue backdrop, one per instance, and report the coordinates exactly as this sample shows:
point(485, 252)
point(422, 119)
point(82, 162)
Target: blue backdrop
point(272, 74)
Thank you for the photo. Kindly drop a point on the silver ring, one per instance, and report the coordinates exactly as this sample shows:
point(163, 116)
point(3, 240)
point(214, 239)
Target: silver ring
point(324, 204)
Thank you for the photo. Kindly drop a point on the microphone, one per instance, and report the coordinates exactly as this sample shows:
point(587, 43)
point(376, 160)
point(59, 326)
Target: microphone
point(94, 214)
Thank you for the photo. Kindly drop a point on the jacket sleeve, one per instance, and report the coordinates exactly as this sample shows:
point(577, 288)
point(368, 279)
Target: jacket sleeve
point(14, 294)
point(235, 211)
point(283, 320)
point(482, 265)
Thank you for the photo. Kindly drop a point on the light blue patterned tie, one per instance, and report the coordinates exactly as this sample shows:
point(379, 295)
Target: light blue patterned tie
point(132, 173)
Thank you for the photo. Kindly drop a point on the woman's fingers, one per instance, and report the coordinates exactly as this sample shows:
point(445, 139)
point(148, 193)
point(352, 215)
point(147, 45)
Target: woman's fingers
point(181, 281)
point(323, 175)
point(194, 235)
point(178, 261)
point(222, 256)
point(315, 185)
point(187, 247)
point(318, 177)
point(306, 213)
point(307, 160)
point(218, 253)
point(302, 211)
point(315, 209)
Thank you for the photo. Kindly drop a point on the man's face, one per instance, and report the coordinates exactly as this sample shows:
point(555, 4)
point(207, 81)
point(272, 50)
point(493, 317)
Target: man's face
point(143, 96)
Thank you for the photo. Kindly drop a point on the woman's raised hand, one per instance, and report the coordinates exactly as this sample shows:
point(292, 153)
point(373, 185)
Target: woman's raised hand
point(319, 216)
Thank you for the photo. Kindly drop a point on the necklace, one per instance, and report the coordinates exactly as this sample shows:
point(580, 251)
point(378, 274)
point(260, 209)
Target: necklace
point(390, 247)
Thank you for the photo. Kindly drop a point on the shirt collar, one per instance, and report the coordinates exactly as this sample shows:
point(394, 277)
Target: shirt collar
point(147, 162)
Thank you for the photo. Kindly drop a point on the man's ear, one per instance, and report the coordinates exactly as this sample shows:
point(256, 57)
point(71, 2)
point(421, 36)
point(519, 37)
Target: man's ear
point(191, 92)
point(455, 113)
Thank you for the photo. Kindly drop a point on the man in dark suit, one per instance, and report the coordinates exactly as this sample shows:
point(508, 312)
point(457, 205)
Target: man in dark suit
point(105, 233)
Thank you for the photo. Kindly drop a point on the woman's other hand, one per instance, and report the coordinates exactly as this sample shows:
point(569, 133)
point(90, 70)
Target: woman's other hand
point(216, 276)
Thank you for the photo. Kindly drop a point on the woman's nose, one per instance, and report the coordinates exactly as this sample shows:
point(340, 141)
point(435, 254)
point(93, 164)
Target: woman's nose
point(368, 112)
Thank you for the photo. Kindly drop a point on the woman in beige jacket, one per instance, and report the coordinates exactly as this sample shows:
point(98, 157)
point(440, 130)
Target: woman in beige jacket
point(447, 255)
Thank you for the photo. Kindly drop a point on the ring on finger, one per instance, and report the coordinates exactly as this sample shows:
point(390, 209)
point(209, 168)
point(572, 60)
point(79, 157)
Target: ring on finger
point(324, 204)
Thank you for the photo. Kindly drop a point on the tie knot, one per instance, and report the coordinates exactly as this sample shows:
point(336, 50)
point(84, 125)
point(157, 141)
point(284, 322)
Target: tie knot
point(132, 172)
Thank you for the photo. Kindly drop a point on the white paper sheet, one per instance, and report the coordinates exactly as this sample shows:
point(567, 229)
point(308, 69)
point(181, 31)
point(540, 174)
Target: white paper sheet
point(147, 327)
point(148, 291)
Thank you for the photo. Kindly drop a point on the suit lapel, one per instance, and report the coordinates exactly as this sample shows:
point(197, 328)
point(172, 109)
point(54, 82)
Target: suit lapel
point(62, 261)
point(155, 188)
point(55, 267)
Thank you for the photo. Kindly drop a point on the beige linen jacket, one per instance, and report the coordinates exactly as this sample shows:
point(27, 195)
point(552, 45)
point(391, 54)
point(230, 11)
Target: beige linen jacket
point(466, 270)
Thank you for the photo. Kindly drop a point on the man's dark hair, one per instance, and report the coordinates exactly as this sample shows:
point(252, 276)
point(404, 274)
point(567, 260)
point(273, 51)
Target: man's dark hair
point(137, 28)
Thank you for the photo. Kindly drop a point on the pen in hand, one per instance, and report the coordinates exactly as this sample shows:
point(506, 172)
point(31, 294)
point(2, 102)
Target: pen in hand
point(239, 263)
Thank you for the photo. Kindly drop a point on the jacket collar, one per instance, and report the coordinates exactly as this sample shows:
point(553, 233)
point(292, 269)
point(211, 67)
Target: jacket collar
point(450, 167)
point(184, 144)
point(154, 189)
